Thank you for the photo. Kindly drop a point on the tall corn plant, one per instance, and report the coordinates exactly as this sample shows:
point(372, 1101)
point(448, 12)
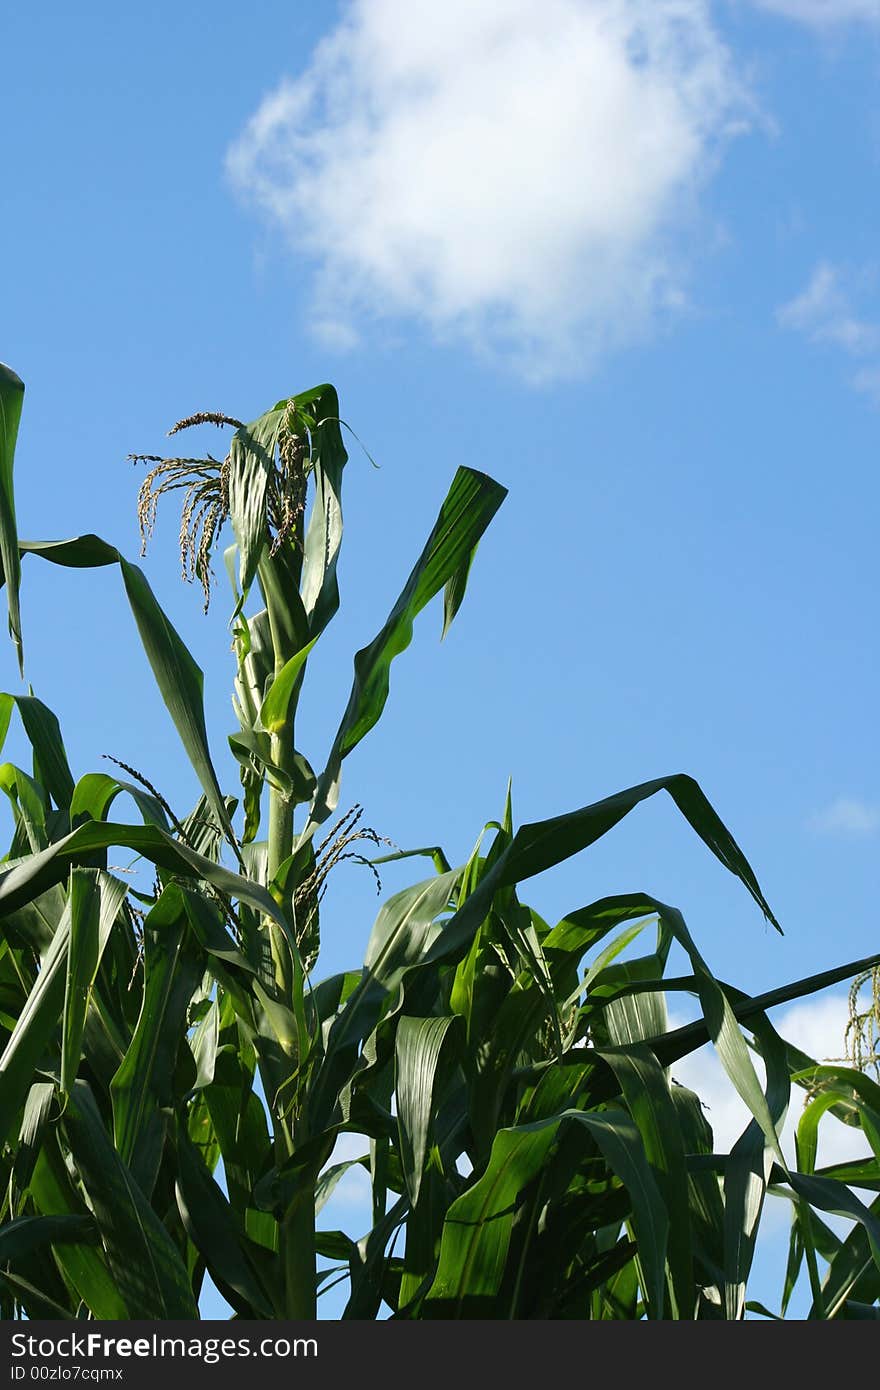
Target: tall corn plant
point(175, 1075)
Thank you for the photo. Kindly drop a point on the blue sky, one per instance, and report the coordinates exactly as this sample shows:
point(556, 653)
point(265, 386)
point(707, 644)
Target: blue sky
point(620, 255)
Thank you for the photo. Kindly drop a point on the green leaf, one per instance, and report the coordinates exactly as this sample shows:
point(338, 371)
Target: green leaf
point(582, 929)
point(44, 733)
point(35, 1118)
point(29, 1233)
point(793, 1262)
point(836, 1198)
point(204, 1043)
point(143, 1089)
point(536, 848)
point(82, 1265)
point(634, 1015)
point(837, 1086)
point(251, 463)
point(11, 400)
point(433, 852)
point(477, 1229)
point(408, 939)
point(418, 1044)
point(180, 682)
point(472, 501)
point(852, 1272)
point(26, 880)
point(78, 552)
point(859, 1312)
point(29, 805)
point(748, 1167)
point(719, 1024)
point(82, 965)
point(407, 925)
point(320, 589)
point(541, 846)
point(34, 1301)
point(143, 1258)
point(179, 679)
point(209, 1222)
point(7, 703)
point(682, 1041)
point(705, 1201)
point(273, 712)
point(39, 1017)
point(646, 1092)
point(328, 1179)
point(753, 1306)
point(453, 594)
point(95, 793)
point(621, 1147)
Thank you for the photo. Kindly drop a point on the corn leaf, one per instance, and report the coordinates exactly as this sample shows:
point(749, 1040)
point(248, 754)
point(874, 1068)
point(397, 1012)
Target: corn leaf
point(320, 589)
point(177, 675)
point(472, 501)
point(38, 1019)
point(11, 400)
point(149, 1271)
point(83, 956)
point(209, 1221)
point(144, 1088)
point(418, 1045)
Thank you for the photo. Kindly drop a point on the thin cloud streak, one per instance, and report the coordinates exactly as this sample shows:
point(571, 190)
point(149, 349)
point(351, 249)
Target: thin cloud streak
point(823, 313)
point(847, 816)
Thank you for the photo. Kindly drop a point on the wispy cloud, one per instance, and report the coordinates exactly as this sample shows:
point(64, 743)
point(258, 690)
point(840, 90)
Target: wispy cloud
point(824, 12)
point(824, 313)
point(868, 382)
point(516, 176)
point(847, 816)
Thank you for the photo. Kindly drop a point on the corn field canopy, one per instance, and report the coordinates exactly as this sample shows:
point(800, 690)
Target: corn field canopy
point(176, 1074)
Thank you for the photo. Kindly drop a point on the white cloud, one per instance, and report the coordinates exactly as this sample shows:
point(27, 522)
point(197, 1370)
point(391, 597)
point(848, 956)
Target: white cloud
point(868, 382)
point(847, 816)
point(824, 313)
point(823, 12)
point(514, 175)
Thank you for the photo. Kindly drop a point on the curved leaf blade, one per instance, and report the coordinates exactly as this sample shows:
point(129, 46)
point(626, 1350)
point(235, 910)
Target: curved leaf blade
point(142, 1090)
point(418, 1044)
point(180, 682)
point(472, 501)
point(83, 955)
point(149, 1271)
point(177, 675)
point(44, 1006)
point(11, 401)
point(273, 711)
point(209, 1221)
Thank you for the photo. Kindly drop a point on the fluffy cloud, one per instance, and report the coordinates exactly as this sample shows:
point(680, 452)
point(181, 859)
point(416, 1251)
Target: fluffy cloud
point(521, 177)
point(823, 12)
point(847, 816)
